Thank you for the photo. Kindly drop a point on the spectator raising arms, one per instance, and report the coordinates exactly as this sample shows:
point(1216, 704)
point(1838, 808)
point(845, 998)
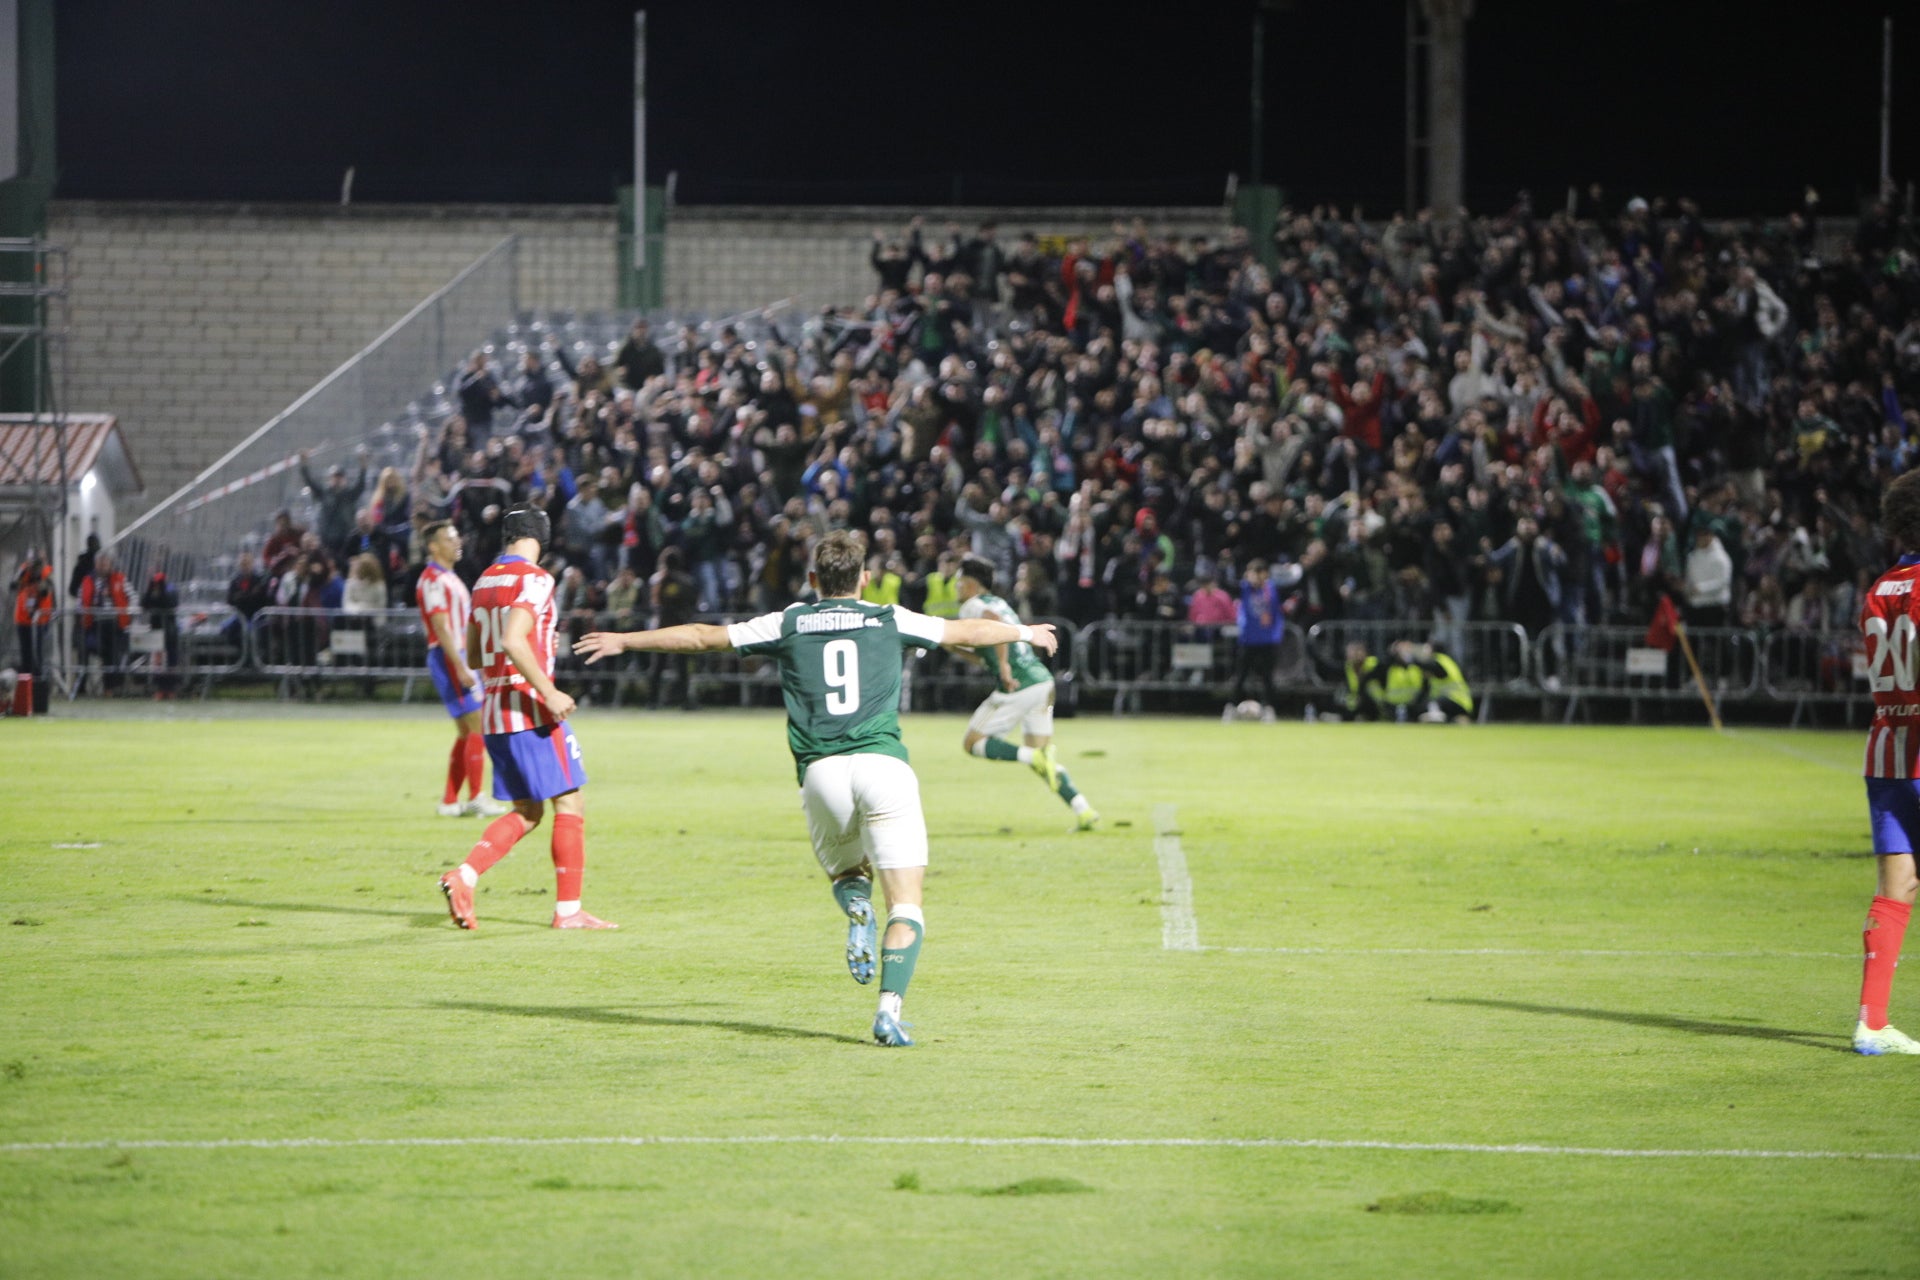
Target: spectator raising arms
point(1513, 418)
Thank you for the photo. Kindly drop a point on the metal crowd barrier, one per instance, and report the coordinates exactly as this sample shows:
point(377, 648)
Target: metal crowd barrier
point(89, 651)
point(1495, 657)
point(331, 643)
point(1579, 663)
point(1812, 669)
point(650, 676)
point(1130, 658)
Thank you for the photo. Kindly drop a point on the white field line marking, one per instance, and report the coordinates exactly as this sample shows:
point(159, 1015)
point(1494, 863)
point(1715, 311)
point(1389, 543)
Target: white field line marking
point(1305, 1144)
point(1535, 951)
point(1769, 744)
point(1179, 931)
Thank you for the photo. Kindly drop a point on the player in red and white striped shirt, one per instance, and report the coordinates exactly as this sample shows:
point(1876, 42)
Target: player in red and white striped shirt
point(536, 758)
point(445, 610)
point(1890, 621)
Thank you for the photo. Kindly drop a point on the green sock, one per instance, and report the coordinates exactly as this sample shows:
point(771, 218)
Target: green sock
point(1001, 749)
point(1066, 789)
point(896, 963)
point(847, 888)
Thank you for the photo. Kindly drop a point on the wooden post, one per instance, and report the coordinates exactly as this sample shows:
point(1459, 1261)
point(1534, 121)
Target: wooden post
point(1700, 681)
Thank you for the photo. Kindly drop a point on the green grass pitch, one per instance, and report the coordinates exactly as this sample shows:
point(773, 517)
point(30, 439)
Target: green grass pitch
point(1614, 940)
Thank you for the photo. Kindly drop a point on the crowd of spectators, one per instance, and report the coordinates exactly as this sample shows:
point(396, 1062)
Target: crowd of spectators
point(1524, 417)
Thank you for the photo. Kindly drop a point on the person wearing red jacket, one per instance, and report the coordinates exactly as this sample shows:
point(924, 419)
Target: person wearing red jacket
point(1361, 404)
point(108, 613)
point(1573, 430)
point(33, 599)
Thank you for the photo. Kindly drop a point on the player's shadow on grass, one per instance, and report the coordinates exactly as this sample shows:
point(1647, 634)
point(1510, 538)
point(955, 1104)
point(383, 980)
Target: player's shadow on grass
point(417, 919)
point(1694, 1026)
point(614, 1017)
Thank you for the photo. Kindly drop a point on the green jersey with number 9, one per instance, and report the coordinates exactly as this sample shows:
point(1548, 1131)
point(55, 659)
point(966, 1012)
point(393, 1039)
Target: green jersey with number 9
point(839, 672)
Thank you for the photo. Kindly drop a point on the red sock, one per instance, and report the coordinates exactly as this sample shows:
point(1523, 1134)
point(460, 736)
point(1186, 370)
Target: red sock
point(476, 746)
point(569, 856)
point(496, 842)
point(456, 769)
point(1886, 926)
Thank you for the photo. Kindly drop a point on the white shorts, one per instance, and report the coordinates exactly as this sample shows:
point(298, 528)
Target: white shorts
point(864, 808)
point(1030, 710)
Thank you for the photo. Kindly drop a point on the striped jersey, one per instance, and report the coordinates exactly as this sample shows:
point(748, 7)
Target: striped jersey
point(441, 591)
point(1890, 623)
point(839, 672)
point(513, 583)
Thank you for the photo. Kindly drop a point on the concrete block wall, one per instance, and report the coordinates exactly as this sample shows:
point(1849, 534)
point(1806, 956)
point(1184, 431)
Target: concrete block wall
point(197, 323)
point(722, 260)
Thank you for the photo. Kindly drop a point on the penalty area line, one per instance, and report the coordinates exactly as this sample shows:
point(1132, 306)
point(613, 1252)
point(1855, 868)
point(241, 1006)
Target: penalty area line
point(827, 1140)
point(1536, 951)
point(1179, 930)
point(1851, 767)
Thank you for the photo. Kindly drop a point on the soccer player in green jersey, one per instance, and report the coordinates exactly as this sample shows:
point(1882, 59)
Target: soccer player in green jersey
point(1023, 701)
point(840, 676)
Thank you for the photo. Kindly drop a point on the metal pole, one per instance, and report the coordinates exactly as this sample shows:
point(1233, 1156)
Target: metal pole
point(1258, 94)
point(1886, 109)
point(42, 370)
point(1446, 47)
point(1413, 109)
point(640, 140)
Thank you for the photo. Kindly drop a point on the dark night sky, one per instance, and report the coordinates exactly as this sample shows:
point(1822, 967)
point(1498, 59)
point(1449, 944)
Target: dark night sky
point(1026, 103)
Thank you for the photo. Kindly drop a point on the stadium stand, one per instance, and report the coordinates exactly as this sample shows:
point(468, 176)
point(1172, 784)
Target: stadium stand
point(1513, 435)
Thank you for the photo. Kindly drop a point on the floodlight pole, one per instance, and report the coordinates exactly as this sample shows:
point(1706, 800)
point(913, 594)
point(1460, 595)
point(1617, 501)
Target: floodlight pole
point(1258, 94)
point(1446, 104)
point(1886, 109)
point(640, 140)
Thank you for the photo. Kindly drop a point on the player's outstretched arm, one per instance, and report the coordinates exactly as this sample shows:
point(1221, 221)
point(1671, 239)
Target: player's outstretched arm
point(962, 652)
point(976, 632)
point(693, 637)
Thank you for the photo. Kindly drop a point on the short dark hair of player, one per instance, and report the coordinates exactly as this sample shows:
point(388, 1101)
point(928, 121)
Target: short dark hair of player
point(837, 562)
point(434, 530)
point(1900, 512)
point(981, 571)
point(526, 522)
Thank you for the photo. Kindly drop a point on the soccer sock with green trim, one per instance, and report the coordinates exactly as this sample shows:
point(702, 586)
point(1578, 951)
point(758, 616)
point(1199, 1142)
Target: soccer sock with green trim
point(896, 963)
point(1075, 801)
point(848, 888)
point(1001, 749)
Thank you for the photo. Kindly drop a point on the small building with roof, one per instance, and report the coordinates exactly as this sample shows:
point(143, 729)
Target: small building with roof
point(84, 456)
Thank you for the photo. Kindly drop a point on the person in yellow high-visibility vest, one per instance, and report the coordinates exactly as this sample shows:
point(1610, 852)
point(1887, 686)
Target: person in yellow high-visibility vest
point(1449, 696)
point(1357, 698)
point(1398, 685)
point(883, 581)
point(943, 588)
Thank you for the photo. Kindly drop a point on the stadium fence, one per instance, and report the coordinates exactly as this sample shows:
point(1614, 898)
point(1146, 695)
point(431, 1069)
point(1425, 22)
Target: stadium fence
point(1564, 669)
point(88, 652)
point(1585, 663)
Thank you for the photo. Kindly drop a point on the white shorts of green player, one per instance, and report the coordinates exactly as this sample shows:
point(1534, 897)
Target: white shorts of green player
point(865, 810)
point(1030, 710)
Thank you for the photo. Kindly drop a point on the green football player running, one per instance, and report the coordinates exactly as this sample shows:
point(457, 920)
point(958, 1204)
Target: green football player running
point(1024, 699)
point(840, 665)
